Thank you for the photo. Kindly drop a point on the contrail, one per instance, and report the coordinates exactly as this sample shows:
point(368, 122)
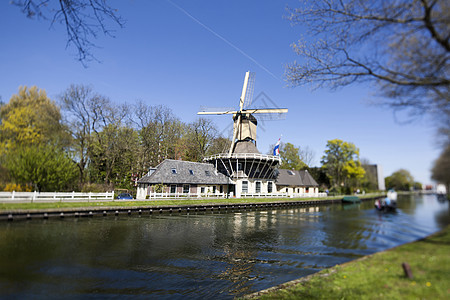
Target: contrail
point(223, 39)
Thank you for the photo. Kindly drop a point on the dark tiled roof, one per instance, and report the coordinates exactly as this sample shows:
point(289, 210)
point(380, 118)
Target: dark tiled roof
point(307, 179)
point(295, 178)
point(202, 173)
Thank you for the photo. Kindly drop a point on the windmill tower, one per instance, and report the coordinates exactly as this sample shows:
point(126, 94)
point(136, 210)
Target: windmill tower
point(250, 171)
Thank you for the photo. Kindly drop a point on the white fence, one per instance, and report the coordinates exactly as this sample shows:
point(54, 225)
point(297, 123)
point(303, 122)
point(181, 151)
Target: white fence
point(181, 196)
point(283, 195)
point(26, 197)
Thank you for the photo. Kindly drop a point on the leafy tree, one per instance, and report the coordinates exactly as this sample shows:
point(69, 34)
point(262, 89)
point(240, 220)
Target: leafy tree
point(290, 157)
point(401, 180)
point(417, 186)
point(440, 171)
point(45, 167)
point(83, 20)
point(341, 163)
point(113, 155)
point(30, 117)
point(320, 176)
point(401, 46)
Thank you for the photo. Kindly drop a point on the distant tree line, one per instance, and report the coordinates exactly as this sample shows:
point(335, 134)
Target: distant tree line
point(84, 141)
point(342, 171)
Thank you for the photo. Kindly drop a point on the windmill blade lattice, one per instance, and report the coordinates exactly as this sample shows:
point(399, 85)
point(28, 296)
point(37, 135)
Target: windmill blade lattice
point(250, 89)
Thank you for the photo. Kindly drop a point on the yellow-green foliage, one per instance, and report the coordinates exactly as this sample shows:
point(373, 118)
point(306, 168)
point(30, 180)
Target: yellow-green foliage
point(29, 118)
point(10, 187)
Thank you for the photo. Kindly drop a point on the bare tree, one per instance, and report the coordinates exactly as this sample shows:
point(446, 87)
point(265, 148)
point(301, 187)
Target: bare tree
point(199, 137)
point(402, 46)
point(159, 131)
point(83, 19)
point(85, 116)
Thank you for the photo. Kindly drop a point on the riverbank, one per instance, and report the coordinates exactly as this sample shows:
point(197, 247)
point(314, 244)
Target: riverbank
point(13, 211)
point(378, 276)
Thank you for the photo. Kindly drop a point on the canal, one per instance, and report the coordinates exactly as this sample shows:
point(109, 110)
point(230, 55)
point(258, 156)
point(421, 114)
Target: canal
point(201, 255)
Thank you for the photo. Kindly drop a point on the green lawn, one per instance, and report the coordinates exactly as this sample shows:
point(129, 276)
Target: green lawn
point(151, 203)
point(381, 276)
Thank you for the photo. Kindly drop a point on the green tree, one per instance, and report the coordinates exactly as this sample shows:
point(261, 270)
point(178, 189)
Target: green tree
point(290, 157)
point(440, 171)
point(45, 167)
point(401, 180)
point(30, 117)
point(341, 164)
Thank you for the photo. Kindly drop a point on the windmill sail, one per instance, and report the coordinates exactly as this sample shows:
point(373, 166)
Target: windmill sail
point(244, 127)
point(250, 89)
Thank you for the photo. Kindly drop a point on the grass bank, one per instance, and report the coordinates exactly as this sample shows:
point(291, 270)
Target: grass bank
point(380, 276)
point(155, 203)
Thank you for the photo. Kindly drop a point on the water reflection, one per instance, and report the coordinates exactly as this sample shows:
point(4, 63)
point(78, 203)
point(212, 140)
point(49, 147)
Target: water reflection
point(202, 255)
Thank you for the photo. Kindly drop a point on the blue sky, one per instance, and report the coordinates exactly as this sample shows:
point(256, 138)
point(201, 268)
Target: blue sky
point(163, 56)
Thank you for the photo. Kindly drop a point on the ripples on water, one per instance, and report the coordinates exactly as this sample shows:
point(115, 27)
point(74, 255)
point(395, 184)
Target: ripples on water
point(220, 255)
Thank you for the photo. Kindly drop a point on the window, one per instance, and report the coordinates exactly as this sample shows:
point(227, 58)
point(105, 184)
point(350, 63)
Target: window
point(214, 189)
point(207, 173)
point(186, 188)
point(221, 189)
point(290, 172)
point(173, 188)
point(258, 187)
point(239, 167)
point(191, 172)
point(269, 187)
point(245, 186)
point(202, 190)
point(174, 171)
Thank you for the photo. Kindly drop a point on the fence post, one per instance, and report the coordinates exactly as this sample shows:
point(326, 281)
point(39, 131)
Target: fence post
point(13, 194)
point(89, 197)
point(34, 196)
point(73, 194)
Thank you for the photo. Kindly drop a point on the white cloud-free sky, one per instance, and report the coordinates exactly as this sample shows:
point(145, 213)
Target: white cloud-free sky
point(188, 54)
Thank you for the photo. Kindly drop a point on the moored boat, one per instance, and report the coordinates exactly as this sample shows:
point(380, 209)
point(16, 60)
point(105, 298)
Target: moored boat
point(351, 199)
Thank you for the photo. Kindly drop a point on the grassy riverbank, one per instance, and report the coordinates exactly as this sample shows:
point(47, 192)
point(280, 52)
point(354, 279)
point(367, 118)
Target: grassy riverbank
point(380, 276)
point(153, 203)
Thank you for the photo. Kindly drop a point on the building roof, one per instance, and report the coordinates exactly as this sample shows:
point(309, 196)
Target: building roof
point(184, 172)
point(245, 147)
point(295, 178)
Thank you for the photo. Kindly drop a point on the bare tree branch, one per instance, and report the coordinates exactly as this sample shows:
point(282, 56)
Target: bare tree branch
point(83, 20)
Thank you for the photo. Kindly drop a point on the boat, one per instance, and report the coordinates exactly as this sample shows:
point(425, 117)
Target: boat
point(351, 199)
point(388, 204)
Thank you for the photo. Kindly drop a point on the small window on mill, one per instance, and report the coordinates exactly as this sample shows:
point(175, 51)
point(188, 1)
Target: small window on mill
point(207, 173)
point(290, 172)
point(174, 171)
point(191, 172)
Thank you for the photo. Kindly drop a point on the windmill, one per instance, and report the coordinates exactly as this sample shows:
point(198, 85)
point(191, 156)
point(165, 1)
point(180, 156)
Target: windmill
point(244, 126)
